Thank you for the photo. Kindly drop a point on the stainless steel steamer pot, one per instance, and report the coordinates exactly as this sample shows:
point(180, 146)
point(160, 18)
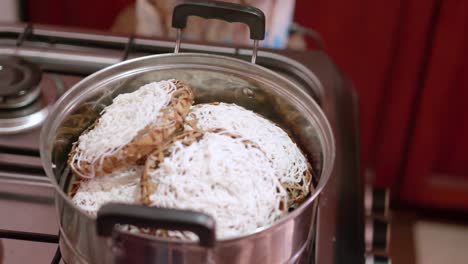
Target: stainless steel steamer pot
point(87, 239)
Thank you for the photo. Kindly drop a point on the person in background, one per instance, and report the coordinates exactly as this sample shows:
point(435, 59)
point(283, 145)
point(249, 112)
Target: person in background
point(152, 18)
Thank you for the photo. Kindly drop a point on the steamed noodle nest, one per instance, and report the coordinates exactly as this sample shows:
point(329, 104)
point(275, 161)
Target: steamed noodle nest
point(172, 179)
point(211, 171)
point(290, 163)
point(130, 128)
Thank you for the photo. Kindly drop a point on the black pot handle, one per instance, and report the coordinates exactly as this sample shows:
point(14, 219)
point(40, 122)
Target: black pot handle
point(201, 224)
point(229, 12)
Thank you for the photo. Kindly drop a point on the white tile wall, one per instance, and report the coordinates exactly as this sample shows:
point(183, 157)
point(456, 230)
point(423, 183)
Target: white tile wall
point(438, 243)
point(9, 11)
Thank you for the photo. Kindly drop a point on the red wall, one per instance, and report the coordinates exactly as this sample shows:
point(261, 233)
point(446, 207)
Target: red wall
point(95, 14)
point(408, 60)
point(383, 59)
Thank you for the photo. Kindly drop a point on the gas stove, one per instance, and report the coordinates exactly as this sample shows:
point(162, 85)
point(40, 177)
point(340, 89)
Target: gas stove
point(39, 63)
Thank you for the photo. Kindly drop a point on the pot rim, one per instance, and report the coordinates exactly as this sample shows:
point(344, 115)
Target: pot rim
point(325, 132)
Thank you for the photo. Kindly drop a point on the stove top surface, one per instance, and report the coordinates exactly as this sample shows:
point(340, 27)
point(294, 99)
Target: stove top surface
point(65, 57)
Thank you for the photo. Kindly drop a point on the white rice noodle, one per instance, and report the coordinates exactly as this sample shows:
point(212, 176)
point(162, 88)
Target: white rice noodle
point(121, 186)
point(224, 177)
point(274, 141)
point(120, 122)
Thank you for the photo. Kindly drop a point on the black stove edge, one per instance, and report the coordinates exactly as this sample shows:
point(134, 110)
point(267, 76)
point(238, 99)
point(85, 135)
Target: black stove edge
point(29, 236)
point(350, 244)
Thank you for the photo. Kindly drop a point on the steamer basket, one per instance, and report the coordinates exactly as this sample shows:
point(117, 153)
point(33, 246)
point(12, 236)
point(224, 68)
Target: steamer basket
point(87, 239)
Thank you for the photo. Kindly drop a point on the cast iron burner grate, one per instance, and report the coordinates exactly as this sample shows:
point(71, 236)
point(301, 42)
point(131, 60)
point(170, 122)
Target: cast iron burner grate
point(20, 82)
point(34, 237)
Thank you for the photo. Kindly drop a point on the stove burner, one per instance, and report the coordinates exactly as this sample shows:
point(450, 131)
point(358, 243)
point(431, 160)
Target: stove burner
point(19, 84)
point(18, 119)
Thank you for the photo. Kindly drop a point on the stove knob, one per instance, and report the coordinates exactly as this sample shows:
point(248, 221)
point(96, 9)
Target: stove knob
point(376, 201)
point(378, 260)
point(377, 235)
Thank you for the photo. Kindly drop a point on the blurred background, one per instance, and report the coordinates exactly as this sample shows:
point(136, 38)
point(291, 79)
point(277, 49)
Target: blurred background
point(408, 60)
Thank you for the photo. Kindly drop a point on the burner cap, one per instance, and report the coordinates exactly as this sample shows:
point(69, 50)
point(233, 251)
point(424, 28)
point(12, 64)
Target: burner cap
point(20, 82)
